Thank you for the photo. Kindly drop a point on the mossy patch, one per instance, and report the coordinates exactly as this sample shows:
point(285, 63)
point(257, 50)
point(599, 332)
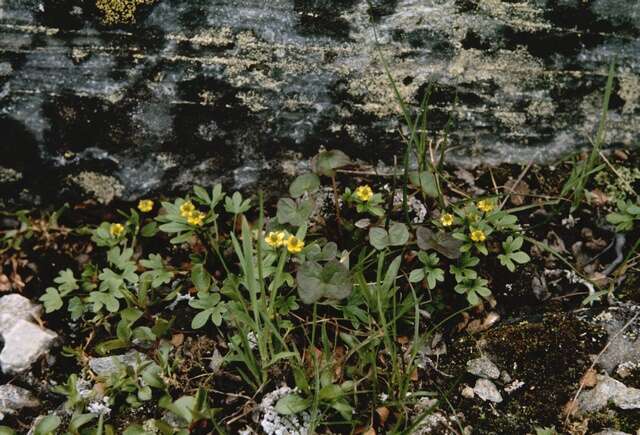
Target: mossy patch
point(548, 355)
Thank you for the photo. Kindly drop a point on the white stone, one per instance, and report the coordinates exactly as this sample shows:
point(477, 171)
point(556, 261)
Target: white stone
point(487, 390)
point(14, 307)
point(107, 365)
point(23, 345)
point(608, 390)
point(483, 367)
point(13, 399)
point(467, 392)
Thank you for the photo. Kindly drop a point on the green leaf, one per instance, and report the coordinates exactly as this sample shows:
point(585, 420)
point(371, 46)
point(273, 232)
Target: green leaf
point(505, 260)
point(398, 234)
point(174, 227)
point(149, 230)
point(51, 300)
point(66, 282)
point(441, 242)
point(202, 194)
point(144, 393)
point(330, 392)
point(200, 319)
point(6, 430)
point(304, 183)
point(520, 257)
point(434, 275)
point(200, 277)
point(135, 429)
point(76, 308)
point(296, 214)
point(183, 407)
point(416, 275)
point(236, 205)
point(326, 162)
point(182, 238)
point(292, 404)
point(426, 181)
point(473, 298)
point(378, 237)
point(331, 281)
point(47, 425)
point(79, 420)
point(345, 410)
point(99, 299)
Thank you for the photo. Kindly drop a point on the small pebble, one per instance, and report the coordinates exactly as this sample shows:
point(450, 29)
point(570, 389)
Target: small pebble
point(467, 392)
point(483, 367)
point(487, 391)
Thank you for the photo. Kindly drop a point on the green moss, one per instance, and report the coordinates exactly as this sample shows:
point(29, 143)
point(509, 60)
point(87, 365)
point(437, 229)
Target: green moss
point(549, 356)
point(625, 421)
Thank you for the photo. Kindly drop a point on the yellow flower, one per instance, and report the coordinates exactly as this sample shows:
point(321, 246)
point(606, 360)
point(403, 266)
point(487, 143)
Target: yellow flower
point(186, 209)
point(145, 205)
point(478, 236)
point(196, 218)
point(294, 244)
point(446, 220)
point(116, 230)
point(275, 238)
point(364, 193)
point(485, 205)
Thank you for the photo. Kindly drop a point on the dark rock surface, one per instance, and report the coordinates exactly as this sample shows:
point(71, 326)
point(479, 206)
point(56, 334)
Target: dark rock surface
point(201, 90)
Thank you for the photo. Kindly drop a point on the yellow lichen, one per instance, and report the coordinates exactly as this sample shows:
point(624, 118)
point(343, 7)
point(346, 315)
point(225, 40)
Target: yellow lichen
point(104, 188)
point(120, 11)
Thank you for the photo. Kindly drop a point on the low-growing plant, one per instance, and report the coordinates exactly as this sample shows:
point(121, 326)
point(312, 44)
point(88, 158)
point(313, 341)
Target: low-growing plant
point(255, 278)
point(625, 215)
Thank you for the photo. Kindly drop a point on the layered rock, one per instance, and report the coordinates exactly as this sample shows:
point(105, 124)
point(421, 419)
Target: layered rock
point(237, 89)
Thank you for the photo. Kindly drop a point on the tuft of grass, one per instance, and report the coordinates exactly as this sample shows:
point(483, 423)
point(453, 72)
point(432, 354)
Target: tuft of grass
point(582, 171)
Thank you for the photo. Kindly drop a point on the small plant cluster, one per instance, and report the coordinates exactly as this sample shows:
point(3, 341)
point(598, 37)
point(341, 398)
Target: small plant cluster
point(252, 275)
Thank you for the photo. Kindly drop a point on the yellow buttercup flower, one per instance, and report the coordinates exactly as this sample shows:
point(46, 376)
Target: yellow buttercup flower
point(196, 218)
point(478, 236)
point(186, 209)
point(294, 244)
point(364, 193)
point(275, 239)
point(116, 230)
point(485, 205)
point(145, 205)
point(446, 220)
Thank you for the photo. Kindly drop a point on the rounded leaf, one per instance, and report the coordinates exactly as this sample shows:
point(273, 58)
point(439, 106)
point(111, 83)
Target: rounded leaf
point(304, 183)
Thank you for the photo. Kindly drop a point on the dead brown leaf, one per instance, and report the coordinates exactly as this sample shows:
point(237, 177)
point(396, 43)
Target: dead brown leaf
point(589, 379)
point(518, 190)
point(383, 412)
point(597, 197)
point(5, 284)
point(402, 339)
point(414, 375)
point(177, 340)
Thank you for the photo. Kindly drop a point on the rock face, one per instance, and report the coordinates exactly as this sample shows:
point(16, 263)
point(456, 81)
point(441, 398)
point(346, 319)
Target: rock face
point(200, 90)
point(24, 341)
